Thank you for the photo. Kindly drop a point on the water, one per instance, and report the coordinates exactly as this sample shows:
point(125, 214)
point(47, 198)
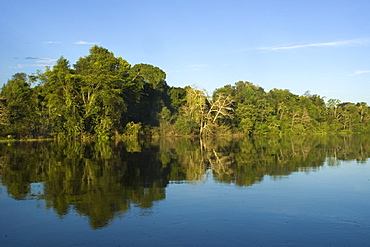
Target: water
point(265, 192)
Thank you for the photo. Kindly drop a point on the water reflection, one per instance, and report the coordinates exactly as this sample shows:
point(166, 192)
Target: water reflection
point(103, 181)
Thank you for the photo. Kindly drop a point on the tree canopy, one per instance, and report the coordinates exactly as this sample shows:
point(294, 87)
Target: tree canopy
point(102, 96)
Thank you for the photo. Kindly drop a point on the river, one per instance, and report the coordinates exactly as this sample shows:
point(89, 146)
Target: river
point(298, 191)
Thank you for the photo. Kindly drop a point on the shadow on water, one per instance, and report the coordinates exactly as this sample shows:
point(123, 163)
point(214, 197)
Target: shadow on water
point(103, 181)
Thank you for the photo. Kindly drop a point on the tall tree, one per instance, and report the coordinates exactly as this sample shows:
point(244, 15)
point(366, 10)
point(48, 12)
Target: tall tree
point(203, 113)
point(154, 92)
point(19, 104)
point(102, 80)
point(63, 96)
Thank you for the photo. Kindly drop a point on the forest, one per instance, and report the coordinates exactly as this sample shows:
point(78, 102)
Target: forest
point(103, 97)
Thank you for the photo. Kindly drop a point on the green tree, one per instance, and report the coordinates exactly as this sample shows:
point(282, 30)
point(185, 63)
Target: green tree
point(62, 94)
point(202, 114)
point(19, 107)
point(153, 96)
point(102, 82)
point(177, 97)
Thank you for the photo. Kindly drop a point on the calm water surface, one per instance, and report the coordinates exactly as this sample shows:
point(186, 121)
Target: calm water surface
point(264, 192)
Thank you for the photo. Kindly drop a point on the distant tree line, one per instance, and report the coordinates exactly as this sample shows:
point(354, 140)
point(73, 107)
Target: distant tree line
point(103, 97)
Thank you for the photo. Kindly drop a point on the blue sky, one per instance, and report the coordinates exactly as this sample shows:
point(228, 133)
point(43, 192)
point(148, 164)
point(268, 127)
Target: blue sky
point(316, 45)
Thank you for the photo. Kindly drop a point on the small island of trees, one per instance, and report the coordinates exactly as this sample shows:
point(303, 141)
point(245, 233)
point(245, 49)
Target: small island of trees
point(103, 97)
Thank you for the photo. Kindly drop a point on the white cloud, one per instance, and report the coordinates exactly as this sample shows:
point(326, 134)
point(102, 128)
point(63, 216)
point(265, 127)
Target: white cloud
point(168, 71)
point(196, 67)
point(333, 44)
point(193, 67)
point(46, 60)
point(86, 43)
point(40, 62)
point(39, 65)
point(18, 66)
point(52, 42)
point(331, 91)
point(359, 72)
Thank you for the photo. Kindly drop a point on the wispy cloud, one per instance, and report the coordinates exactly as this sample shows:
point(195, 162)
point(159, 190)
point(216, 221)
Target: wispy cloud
point(39, 59)
point(171, 71)
point(40, 62)
point(86, 43)
point(18, 66)
point(21, 66)
point(193, 67)
point(46, 60)
point(331, 91)
point(359, 72)
point(52, 42)
point(332, 44)
point(196, 67)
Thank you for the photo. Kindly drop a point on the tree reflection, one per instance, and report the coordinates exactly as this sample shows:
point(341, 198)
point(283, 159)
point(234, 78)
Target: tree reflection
point(105, 180)
point(99, 180)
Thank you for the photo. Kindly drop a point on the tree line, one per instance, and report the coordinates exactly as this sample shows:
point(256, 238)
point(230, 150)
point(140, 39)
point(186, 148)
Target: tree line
point(104, 97)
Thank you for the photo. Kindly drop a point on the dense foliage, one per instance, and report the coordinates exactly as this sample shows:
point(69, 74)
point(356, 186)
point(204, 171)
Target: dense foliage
point(104, 97)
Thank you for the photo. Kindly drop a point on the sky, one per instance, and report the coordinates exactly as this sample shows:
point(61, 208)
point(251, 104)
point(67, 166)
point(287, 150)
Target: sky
point(320, 46)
